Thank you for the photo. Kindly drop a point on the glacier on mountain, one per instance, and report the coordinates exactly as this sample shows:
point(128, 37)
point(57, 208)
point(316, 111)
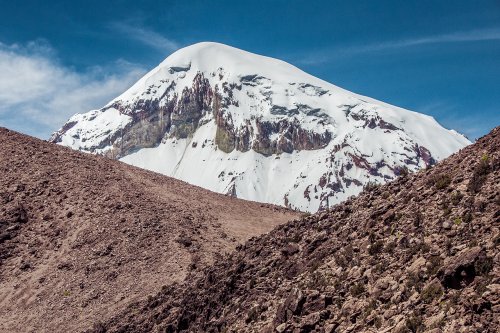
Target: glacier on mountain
point(258, 128)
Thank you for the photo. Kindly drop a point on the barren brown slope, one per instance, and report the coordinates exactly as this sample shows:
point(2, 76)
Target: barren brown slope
point(82, 236)
point(420, 254)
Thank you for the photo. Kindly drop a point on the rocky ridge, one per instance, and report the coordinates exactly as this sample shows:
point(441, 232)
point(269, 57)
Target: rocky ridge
point(420, 254)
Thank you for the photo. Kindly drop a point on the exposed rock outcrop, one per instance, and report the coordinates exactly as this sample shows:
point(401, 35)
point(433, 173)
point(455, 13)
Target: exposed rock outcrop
point(173, 116)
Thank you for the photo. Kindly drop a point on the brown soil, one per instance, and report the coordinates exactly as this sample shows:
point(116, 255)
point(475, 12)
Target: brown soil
point(420, 254)
point(82, 236)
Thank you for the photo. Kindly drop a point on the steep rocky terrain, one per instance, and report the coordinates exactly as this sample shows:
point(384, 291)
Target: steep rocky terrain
point(259, 129)
point(420, 254)
point(82, 236)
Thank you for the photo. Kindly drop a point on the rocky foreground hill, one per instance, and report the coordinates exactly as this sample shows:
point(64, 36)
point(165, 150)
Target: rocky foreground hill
point(420, 254)
point(82, 236)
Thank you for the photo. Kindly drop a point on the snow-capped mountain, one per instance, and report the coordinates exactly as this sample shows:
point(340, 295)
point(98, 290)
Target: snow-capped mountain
point(259, 129)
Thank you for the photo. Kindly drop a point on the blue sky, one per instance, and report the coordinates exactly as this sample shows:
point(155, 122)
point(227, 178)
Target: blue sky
point(437, 57)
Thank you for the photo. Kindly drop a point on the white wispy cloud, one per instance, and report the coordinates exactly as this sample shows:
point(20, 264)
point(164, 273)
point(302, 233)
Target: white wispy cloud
point(145, 36)
point(456, 37)
point(38, 94)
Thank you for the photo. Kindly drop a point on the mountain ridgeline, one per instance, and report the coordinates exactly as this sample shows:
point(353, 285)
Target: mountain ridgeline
point(259, 129)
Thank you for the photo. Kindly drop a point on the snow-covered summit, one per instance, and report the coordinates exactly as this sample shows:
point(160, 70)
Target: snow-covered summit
point(210, 57)
point(258, 128)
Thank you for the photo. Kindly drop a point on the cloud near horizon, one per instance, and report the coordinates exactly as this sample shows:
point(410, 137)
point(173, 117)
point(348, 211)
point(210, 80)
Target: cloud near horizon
point(38, 94)
point(469, 125)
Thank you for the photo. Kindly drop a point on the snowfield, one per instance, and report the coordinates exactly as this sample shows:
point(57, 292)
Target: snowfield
point(362, 139)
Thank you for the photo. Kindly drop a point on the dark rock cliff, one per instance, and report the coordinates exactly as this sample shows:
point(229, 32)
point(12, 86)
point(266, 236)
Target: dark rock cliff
point(179, 116)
